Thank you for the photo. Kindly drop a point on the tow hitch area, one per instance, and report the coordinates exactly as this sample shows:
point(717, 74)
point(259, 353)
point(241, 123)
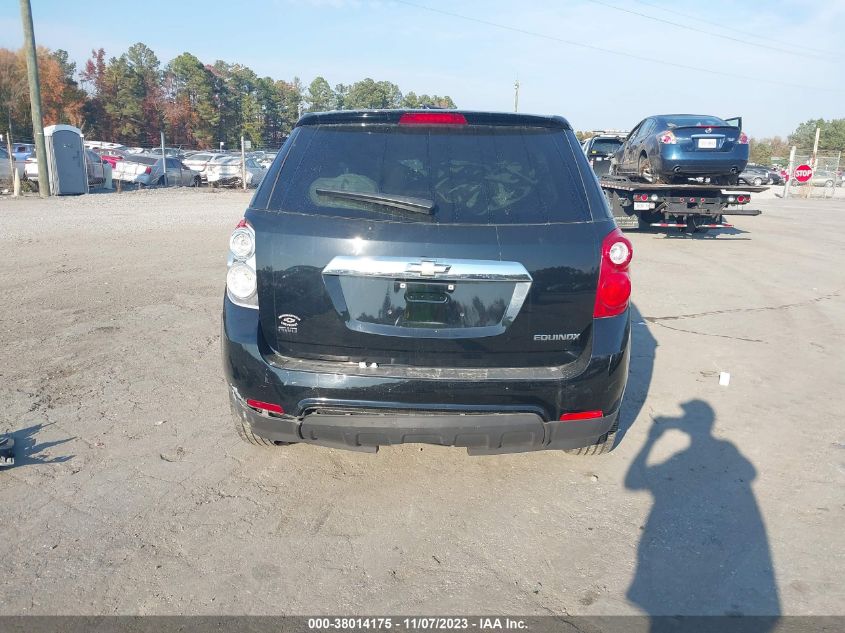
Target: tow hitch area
point(7, 451)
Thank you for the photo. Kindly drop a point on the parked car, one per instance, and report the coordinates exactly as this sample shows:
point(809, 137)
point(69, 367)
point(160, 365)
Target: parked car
point(227, 171)
point(5, 170)
point(144, 169)
point(111, 156)
point(756, 175)
point(198, 161)
point(22, 151)
point(672, 147)
point(103, 145)
point(600, 148)
point(443, 277)
point(94, 165)
point(823, 178)
point(267, 159)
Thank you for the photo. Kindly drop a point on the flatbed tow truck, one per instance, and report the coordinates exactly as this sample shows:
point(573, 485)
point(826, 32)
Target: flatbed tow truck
point(694, 207)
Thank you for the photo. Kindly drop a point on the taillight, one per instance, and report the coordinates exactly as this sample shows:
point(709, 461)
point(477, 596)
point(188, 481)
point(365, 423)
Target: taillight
point(241, 278)
point(432, 118)
point(148, 170)
point(743, 138)
point(614, 288)
point(668, 138)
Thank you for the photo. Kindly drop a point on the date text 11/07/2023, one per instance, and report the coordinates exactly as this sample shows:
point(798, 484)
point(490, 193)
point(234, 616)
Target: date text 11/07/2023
point(416, 623)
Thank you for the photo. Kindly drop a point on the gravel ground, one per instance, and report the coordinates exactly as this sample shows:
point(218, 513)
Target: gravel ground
point(133, 495)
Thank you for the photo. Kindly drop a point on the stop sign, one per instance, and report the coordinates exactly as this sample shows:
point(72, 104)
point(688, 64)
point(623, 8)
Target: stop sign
point(803, 173)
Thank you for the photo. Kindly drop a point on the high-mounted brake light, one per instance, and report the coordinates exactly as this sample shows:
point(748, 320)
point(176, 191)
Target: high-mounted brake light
point(432, 118)
point(743, 138)
point(581, 415)
point(668, 138)
point(614, 287)
point(266, 406)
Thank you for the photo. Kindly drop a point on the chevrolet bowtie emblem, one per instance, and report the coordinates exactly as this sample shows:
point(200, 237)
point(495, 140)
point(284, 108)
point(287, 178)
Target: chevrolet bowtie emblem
point(428, 268)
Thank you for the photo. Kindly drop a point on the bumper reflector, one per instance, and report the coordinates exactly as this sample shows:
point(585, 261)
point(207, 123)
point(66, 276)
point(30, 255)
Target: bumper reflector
point(581, 415)
point(266, 406)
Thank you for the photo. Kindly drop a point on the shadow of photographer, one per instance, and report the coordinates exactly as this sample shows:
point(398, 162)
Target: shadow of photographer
point(29, 451)
point(704, 548)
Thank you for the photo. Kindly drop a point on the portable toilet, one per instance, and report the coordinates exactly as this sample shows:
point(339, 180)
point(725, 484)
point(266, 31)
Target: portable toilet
point(65, 160)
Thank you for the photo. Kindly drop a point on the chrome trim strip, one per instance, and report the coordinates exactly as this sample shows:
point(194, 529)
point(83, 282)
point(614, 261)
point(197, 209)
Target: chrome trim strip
point(431, 268)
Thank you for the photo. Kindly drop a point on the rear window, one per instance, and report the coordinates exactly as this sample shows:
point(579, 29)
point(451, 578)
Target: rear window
point(144, 160)
point(685, 121)
point(605, 146)
point(473, 174)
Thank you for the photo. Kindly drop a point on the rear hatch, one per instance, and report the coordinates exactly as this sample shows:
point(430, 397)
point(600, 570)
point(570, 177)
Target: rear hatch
point(463, 245)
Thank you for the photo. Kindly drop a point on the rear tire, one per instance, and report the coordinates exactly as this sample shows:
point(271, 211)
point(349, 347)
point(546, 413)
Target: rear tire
point(605, 444)
point(757, 182)
point(647, 173)
point(245, 433)
point(197, 181)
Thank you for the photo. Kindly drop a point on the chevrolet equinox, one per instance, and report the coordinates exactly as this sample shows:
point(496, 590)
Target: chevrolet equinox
point(437, 276)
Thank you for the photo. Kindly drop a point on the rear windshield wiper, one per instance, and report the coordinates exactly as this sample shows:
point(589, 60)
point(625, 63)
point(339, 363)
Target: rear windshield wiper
point(405, 203)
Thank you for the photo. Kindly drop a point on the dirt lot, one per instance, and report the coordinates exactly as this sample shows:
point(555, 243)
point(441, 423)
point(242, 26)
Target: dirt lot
point(133, 494)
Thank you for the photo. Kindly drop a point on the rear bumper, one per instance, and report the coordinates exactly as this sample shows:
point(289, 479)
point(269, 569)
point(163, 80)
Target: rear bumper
point(701, 162)
point(480, 433)
point(359, 409)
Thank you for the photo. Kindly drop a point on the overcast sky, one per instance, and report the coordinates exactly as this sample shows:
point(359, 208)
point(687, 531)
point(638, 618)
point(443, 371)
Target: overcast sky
point(782, 61)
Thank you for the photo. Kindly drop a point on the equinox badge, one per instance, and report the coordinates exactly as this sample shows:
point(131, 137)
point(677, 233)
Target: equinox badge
point(556, 337)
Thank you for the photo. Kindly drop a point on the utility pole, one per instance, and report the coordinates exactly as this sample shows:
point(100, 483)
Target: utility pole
point(163, 159)
point(243, 163)
point(815, 148)
point(516, 96)
point(35, 98)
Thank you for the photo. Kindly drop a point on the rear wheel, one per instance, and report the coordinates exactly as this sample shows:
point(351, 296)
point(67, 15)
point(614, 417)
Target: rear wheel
point(757, 182)
point(647, 173)
point(160, 181)
point(245, 433)
point(604, 445)
point(197, 181)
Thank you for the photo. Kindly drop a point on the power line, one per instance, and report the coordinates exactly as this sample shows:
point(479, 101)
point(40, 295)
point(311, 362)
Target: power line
point(610, 51)
point(704, 32)
point(730, 28)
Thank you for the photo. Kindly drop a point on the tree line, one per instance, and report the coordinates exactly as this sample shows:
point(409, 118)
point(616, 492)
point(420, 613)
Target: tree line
point(132, 98)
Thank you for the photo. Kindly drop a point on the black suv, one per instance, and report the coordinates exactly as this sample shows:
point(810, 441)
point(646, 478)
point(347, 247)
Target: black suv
point(438, 277)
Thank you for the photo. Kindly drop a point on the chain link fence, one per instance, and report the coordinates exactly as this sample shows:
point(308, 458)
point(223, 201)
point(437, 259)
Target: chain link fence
point(826, 181)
